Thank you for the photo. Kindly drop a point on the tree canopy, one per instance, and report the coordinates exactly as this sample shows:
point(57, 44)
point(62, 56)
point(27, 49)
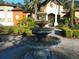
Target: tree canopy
point(1, 1)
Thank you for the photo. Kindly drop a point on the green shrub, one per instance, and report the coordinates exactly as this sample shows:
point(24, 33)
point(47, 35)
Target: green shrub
point(66, 22)
point(76, 26)
point(4, 29)
point(76, 33)
point(31, 22)
point(24, 28)
point(68, 32)
point(20, 31)
point(15, 31)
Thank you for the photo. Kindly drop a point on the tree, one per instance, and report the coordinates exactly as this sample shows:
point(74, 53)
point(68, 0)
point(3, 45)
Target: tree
point(26, 4)
point(72, 13)
point(32, 5)
point(69, 5)
point(20, 5)
point(1, 1)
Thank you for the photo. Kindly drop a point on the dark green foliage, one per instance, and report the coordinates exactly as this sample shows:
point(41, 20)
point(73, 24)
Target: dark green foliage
point(31, 22)
point(1, 1)
point(71, 33)
point(76, 26)
point(7, 30)
point(68, 32)
point(76, 33)
point(23, 28)
point(4, 30)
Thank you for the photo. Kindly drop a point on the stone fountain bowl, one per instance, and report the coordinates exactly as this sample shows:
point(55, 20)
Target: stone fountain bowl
point(40, 31)
point(41, 23)
point(44, 43)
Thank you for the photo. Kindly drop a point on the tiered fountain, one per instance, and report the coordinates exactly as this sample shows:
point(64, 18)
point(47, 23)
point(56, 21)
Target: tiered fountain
point(40, 42)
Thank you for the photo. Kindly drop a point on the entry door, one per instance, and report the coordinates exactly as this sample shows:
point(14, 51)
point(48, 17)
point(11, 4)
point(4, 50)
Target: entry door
point(51, 18)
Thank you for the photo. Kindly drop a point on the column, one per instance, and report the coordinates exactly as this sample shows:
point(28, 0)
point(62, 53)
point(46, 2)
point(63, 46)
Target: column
point(5, 12)
point(47, 25)
point(46, 17)
point(55, 23)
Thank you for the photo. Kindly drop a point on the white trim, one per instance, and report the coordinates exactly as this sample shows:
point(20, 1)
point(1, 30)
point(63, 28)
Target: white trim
point(17, 17)
point(55, 23)
point(6, 24)
point(46, 17)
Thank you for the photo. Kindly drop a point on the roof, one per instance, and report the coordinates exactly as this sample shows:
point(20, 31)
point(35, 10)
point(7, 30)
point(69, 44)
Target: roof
point(77, 9)
point(7, 4)
point(67, 10)
point(17, 9)
point(54, 1)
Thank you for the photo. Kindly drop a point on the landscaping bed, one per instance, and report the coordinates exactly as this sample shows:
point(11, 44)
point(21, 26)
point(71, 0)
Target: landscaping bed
point(70, 32)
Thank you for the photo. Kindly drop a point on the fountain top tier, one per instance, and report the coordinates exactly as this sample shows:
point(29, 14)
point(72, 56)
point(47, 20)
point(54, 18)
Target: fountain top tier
point(41, 23)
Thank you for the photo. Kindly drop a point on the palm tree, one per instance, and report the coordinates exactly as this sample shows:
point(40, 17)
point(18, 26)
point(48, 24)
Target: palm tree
point(72, 14)
point(33, 4)
point(1, 1)
point(69, 6)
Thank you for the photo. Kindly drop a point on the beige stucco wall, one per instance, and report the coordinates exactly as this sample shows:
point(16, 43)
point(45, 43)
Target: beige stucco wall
point(54, 9)
point(77, 14)
point(6, 15)
point(6, 7)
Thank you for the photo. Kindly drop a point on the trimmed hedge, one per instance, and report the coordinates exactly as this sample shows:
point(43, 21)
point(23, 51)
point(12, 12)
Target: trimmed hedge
point(4, 29)
point(15, 30)
point(70, 33)
point(76, 33)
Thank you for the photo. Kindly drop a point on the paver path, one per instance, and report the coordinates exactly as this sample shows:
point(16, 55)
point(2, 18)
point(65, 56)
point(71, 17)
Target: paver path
point(67, 49)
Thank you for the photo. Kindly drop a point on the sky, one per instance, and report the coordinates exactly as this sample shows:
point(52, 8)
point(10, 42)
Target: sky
point(15, 1)
point(21, 1)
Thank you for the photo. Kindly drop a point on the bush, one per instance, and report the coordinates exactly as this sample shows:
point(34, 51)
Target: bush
point(76, 33)
point(4, 29)
point(31, 22)
point(20, 30)
point(68, 32)
point(23, 28)
point(14, 31)
point(76, 26)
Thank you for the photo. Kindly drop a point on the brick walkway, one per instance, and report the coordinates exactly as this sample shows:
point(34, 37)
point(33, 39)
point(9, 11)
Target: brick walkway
point(67, 49)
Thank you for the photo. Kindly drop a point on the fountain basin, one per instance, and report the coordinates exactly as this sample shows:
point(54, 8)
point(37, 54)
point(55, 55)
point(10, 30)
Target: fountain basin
point(40, 49)
point(44, 43)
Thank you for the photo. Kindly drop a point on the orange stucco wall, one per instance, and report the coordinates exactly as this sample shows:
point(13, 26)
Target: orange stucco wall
point(20, 15)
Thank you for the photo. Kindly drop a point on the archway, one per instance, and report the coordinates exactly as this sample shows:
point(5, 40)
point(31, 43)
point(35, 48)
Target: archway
point(51, 19)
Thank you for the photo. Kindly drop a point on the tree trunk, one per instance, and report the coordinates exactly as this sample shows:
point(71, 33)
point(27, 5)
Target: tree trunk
point(35, 7)
point(72, 14)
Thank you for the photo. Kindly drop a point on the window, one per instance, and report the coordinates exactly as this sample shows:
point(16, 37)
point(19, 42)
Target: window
point(9, 10)
point(1, 19)
point(9, 19)
point(17, 17)
point(9, 16)
point(51, 4)
point(1, 10)
point(2, 16)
